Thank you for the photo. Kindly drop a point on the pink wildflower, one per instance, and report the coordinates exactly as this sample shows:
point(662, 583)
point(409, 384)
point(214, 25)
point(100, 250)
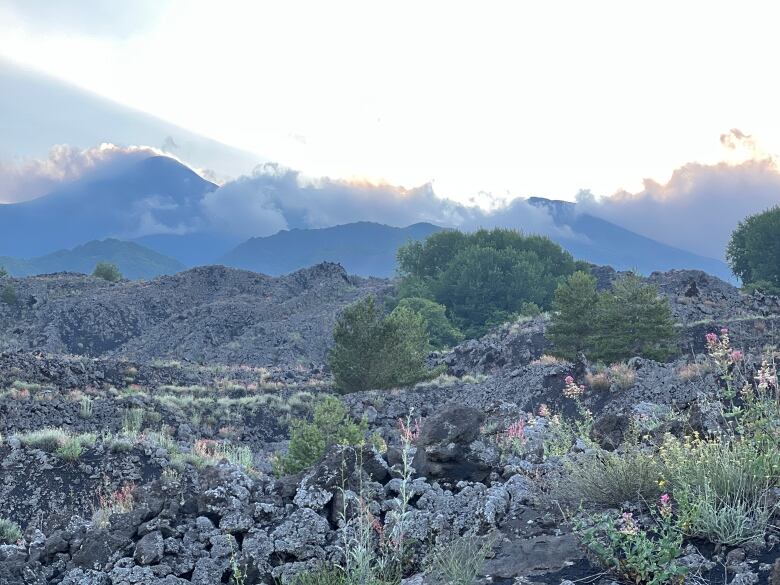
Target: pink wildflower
point(724, 331)
point(544, 410)
point(711, 338)
point(516, 431)
point(569, 380)
point(410, 432)
point(736, 355)
point(666, 506)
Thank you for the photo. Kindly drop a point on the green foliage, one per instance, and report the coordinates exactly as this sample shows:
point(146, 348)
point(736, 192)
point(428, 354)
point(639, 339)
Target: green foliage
point(612, 478)
point(331, 425)
point(3, 272)
point(634, 321)
point(645, 556)
point(9, 531)
point(459, 561)
point(374, 351)
point(107, 271)
point(573, 319)
point(721, 485)
point(8, 295)
point(754, 250)
point(629, 320)
point(484, 278)
point(441, 331)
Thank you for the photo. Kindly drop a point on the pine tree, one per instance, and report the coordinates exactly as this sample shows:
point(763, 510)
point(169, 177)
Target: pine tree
point(372, 351)
point(633, 320)
point(574, 315)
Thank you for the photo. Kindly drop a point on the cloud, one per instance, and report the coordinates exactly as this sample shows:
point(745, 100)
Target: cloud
point(275, 198)
point(700, 205)
point(31, 178)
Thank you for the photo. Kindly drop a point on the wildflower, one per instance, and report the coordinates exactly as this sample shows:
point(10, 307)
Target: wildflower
point(724, 331)
point(662, 483)
point(544, 410)
point(628, 525)
point(516, 431)
point(410, 431)
point(711, 338)
point(571, 390)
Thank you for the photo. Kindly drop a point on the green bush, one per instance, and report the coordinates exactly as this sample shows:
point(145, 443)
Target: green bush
point(9, 531)
point(573, 320)
point(459, 561)
point(483, 278)
point(441, 331)
point(629, 320)
point(3, 272)
point(8, 295)
point(754, 251)
point(611, 478)
point(373, 351)
point(331, 425)
point(107, 271)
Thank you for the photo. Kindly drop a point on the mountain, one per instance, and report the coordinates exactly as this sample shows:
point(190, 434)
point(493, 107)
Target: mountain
point(602, 242)
point(32, 120)
point(133, 260)
point(363, 248)
point(155, 195)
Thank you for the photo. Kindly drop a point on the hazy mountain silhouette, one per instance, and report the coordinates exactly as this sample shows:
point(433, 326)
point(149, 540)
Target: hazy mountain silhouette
point(133, 260)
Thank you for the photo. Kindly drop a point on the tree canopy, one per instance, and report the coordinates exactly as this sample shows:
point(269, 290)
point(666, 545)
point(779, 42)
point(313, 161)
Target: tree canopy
point(373, 351)
point(754, 251)
point(629, 320)
point(483, 278)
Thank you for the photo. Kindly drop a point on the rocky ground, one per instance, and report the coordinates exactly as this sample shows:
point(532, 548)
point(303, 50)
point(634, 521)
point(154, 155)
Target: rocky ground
point(174, 396)
point(208, 315)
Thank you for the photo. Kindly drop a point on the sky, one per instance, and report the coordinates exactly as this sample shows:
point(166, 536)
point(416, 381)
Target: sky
point(499, 98)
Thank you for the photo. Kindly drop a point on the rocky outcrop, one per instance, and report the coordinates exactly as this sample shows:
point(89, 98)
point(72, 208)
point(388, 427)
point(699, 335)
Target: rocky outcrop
point(210, 314)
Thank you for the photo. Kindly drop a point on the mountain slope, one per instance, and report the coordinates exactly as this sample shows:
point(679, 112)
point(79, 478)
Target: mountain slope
point(602, 242)
point(155, 195)
point(363, 248)
point(133, 260)
point(32, 121)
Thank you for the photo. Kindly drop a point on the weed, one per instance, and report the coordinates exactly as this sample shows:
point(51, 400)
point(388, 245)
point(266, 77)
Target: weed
point(9, 531)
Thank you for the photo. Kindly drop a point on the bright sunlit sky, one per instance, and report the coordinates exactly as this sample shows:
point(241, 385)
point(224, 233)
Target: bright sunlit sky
point(517, 98)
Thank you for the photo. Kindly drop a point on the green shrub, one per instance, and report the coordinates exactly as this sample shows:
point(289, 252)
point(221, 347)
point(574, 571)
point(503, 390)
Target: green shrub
point(73, 447)
point(754, 251)
point(9, 531)
point(3, 272)
point(331, 425)
point(373, 351)
point(629, 320)
point(611, 478)
point(47, 439)
point(483, 278)
point(441, 331)
point(459, 561)
point(644, 555)
point(8, 295)
point(714, 481)
point(107, 271)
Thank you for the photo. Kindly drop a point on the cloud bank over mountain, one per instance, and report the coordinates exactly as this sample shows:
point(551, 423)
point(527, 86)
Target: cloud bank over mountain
point(30, 178)
point(275, 198)
point(698, 208)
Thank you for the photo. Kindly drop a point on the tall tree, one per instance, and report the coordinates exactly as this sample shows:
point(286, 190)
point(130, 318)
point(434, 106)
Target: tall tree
point(574, 315)
point(754, 251)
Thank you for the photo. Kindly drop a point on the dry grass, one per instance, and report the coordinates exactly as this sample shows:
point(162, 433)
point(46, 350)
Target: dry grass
point(694, 371)
point(548, 360)
point(598, 381)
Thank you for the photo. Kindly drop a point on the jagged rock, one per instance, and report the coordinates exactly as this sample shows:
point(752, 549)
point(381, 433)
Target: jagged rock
point(302, 535)
point(443, 448)
point(149, 549)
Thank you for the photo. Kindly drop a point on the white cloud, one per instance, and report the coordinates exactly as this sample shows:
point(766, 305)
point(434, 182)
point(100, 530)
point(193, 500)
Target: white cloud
point(30, 178)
